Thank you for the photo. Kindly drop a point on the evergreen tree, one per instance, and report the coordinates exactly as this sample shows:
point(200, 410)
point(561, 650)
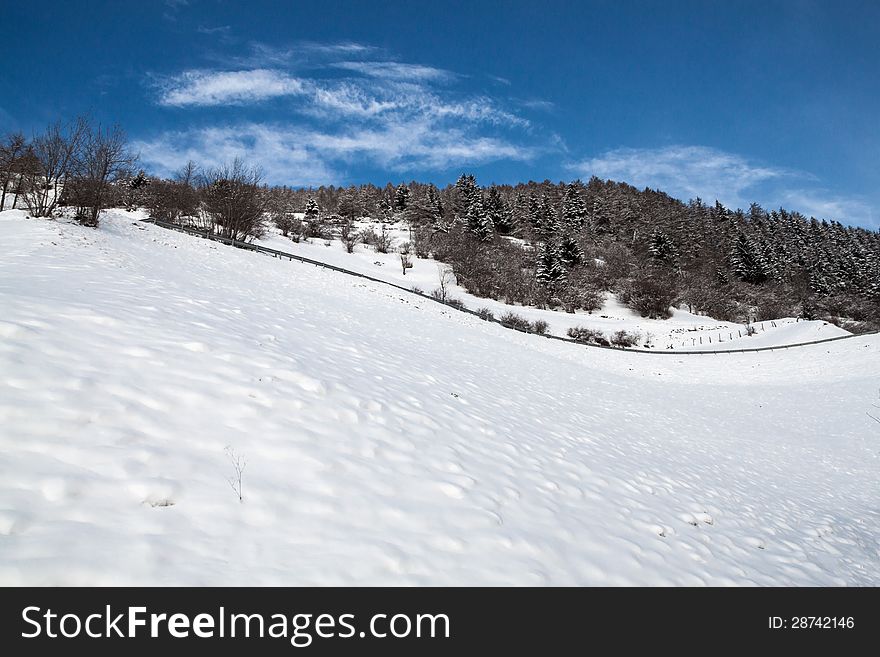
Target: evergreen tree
point(574, 209)
point(545, 222)
point(477, 219)
point(570, 252)
point(662, 249)
point(746, 261)
point(435, 203)
point(401, 197)
point(550, 269)
point(466, 191)
point(498, 212)
point(312, 210)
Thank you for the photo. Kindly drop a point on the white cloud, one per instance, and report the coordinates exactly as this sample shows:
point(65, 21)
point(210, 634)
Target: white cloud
point(396, 71)
point(283, 157)
point(205, 88)
point(390, 114)
point(822, 204)
point(298, 155)
point(682, 171)
point(687, 172)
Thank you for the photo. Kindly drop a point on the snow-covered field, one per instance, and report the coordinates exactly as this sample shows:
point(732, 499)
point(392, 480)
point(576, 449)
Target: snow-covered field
point(683, 331)
point(391, 440)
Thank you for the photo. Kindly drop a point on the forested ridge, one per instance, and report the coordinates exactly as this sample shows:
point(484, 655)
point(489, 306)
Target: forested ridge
point(561, 245)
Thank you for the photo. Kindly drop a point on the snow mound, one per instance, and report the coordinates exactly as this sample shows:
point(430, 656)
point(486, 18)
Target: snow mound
point(390, 440)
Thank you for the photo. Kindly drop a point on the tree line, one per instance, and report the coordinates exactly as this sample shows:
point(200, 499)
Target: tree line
point(71, 164)
point(560, 245)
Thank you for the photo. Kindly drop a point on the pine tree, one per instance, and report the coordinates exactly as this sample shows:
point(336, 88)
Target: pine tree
point(466, 191)
point(546, 221)
point(574, 209)
point(746, 261)
point(312, 209)
point(570, 252)
point(401, 197)
point(600, 217)
point(477, 219)
point(435, 204)
point(662, 249)
point(498, 211)
point(550, 269)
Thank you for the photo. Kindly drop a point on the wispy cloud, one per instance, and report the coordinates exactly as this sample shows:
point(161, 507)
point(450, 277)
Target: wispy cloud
point(226, 87)
point(386, 113)
point(298, 155)
point(683, 171)
point(396, 71)
point(823, 204)
point(297, 54)
point(220, 29)
point(688, 172)
point(284, 158)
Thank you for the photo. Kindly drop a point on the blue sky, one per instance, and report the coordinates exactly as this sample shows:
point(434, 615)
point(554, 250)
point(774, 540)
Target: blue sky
point(775, 102)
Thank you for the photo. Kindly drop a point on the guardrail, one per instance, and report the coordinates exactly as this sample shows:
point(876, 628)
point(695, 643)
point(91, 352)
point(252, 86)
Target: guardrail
point(248, 246)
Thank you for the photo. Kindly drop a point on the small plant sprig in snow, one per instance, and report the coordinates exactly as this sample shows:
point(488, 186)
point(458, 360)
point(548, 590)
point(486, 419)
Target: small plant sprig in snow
point(238, 465)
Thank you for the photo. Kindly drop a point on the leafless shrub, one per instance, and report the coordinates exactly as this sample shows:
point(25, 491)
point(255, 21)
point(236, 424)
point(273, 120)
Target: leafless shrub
point(512, 320)
point(350, 237)
point(624, 339)
point(405, 251)
point(447, 280)
point(485, 313)
point(588, 335)
point(540, 327)
point(383, 240)
point(649, 296)
point(232, 200)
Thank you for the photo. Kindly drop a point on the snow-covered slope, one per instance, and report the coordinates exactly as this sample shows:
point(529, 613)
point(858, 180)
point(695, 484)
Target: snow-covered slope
point(683, 331)
point(390, 440)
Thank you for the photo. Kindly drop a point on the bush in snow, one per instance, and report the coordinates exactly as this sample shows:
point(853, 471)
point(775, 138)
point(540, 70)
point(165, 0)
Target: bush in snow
point(649, 296)
point(349, 236)
point(588, 335)
point(455, 303)
point(625, 339)
point(485, 313)
point(515, 321)
point(540, 327)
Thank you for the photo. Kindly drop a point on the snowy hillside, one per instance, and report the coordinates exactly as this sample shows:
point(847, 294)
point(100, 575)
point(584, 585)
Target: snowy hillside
point(391, 440)
point(683, 331)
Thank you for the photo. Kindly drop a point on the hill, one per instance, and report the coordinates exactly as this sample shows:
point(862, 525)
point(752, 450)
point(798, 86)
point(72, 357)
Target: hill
point(391, 440)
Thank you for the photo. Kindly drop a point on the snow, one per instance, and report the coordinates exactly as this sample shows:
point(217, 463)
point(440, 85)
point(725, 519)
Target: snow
point(682, 332)
point(391, 440)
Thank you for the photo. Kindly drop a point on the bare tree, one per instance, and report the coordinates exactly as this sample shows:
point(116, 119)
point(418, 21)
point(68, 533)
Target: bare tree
point(350, 237)
point(105, 158)
point(55, 156)
point(447, 279)
point(405, 251)
point(233, 200)
point(12, 149)
point(383, 239)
